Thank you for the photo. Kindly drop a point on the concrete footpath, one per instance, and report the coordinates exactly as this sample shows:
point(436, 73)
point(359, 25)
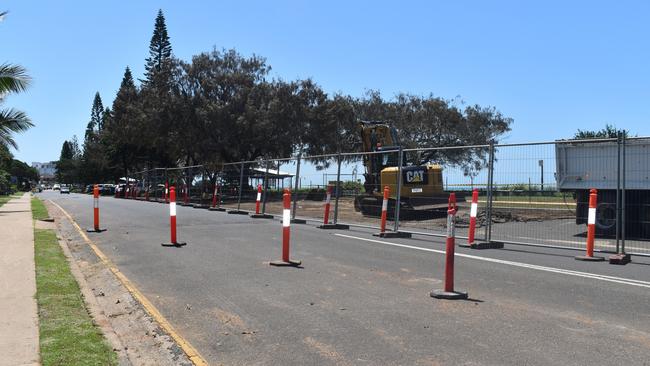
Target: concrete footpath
point(18, 310)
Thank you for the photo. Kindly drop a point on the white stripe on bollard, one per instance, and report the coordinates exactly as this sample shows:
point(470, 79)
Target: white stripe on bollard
point(591, 220)
point(172, 209)
point(286, 218)
point(451, 227)
point(473, 210)
point(384, 205)
point(95, 202)
point(259, 196)
point(328, 197)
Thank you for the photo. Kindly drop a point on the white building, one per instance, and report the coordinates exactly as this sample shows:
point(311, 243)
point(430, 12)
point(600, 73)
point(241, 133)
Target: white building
point(46, 171)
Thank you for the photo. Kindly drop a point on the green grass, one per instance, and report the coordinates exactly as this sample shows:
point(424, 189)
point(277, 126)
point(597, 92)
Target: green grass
point(38, 209)
point(68, 335)
point(4, 199)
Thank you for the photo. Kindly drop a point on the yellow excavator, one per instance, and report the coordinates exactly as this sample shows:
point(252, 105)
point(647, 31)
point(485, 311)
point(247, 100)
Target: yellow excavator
point(422, 195)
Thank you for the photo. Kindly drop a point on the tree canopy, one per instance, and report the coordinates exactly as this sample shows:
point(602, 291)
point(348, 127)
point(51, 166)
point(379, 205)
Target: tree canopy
point(222, 106)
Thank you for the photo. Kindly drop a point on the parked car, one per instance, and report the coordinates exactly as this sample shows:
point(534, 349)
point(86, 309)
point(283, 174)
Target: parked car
point(64, 189)
point(56, 187)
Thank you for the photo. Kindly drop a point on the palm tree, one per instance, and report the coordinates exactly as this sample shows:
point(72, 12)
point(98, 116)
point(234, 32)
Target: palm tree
point(13, 79)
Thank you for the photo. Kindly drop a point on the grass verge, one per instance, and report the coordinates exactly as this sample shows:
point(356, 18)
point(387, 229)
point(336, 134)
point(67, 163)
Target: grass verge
point(39, 211)
point(68, 335)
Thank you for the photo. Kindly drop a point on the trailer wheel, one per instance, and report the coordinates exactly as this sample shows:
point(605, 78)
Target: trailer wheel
point(606, 218)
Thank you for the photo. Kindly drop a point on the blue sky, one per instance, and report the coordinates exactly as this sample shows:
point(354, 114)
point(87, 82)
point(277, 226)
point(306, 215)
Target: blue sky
point(553, 66)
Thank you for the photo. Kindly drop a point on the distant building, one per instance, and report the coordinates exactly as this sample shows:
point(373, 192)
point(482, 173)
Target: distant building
point(46, 171)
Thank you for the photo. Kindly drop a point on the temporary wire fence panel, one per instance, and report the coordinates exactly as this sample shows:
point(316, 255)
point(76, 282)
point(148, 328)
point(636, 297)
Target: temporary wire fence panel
point(529, 194)
point(427, 213)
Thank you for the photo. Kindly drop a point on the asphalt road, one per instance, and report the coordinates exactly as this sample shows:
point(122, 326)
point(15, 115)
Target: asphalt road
point(360, 300)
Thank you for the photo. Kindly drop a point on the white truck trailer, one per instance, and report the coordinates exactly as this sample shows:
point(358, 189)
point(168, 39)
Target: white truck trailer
point(585, 165)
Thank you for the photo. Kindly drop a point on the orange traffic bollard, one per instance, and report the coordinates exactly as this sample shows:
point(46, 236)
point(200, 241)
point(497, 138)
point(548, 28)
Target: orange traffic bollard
point(172, 220)
point(286, 233)
point(95, 228)
point(591, 229)
point(448, 291)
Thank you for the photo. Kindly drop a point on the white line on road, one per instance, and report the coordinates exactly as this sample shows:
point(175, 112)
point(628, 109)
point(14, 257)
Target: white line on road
point(625, 281)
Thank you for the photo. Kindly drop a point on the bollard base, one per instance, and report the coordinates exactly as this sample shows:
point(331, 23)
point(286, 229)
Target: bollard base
point(587, 258)
point(334, 227)
point(93, 230)
point(298, 221)
point(485, 245)
point(238, 212)
point(177, 245)
point(185, 204)
point(290, 263)
point(261, 216)
point(201, 205)
point(216, 209)
point(620, 259)
point(47, 219)
point(449, 295)
point(392, 234)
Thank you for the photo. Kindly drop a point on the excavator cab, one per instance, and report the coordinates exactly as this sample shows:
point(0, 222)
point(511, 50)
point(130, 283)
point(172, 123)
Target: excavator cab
point(421, 192)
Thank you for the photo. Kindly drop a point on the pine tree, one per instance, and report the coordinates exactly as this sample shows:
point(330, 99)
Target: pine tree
point(96, 113)
point(66, 151)
point(160, 50)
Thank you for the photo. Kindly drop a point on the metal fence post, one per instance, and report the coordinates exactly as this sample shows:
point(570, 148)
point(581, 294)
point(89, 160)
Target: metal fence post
point(618, 193)
point(623, 223)
point(398, 193)
point(265, 184)
point(490, 187)
point(338, 188)
point(296, 186)
point(241, 185)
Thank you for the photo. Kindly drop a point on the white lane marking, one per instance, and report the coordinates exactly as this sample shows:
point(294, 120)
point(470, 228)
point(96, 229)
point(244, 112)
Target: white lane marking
point(625, 281)
point(597, 243)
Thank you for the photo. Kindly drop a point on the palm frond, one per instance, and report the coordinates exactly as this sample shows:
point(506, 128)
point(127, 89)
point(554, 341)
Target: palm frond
point(12, 121)
point(13, 78)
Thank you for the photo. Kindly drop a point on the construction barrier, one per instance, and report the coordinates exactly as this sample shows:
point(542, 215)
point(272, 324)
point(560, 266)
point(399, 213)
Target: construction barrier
point(216, 199)
point(448, 291)
point(384, 210)
point(258, 201)
point(95, 228)
point(591, 229)
point(172, 220)
point(286, 233)
point(328, 198)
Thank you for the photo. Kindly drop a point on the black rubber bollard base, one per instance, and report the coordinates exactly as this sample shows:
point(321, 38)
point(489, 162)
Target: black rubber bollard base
point(392, 234)
point(290, 263)
point(620, 259)
point(92, 230)
point(237, 212)
point(492, 245)
point(178, 245)
point(47, 219)
point(216, 209)
point(298, 221)
point(205, 207)
point(454, 295)
point(589, 259)
point(185, 204)
point(334, 227)
point(261, 216)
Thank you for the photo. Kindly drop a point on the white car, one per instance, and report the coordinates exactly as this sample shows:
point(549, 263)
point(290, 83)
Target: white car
point(56, 187)
point(64, 189)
